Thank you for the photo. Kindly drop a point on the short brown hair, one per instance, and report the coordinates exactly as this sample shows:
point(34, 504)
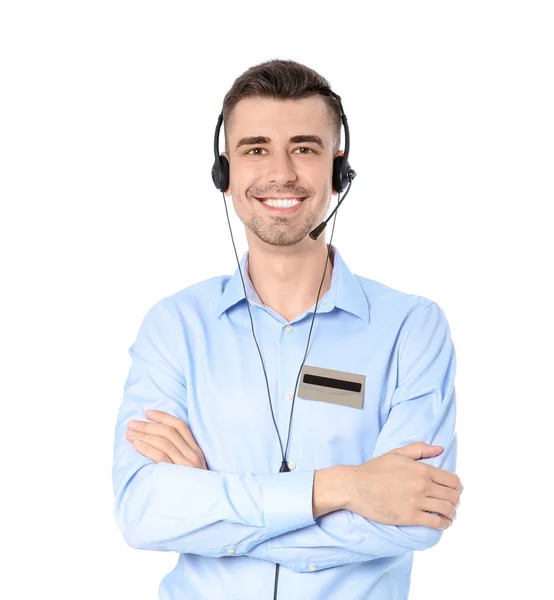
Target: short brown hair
point(285, 79)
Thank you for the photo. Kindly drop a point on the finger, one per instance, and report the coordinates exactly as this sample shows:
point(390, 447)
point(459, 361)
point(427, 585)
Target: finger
point(162, 444)
point(159, 416)
point(442, 492)
point(168, 447)
point(151, 452)
point(442, 477)
point(442, 507)
point(435, 521)
point(418, 450)
point(168, 432)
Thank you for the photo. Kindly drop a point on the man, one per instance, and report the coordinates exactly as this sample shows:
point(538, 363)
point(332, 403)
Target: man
point(372, 443)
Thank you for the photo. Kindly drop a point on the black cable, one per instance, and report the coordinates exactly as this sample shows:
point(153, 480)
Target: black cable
point(284, 466)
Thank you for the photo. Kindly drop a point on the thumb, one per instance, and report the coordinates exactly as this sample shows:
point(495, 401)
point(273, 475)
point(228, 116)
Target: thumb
point(418, 450)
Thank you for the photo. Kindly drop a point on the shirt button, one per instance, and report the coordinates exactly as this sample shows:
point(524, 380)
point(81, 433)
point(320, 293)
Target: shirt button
point(292, 466)
point(288, 395)
point(312, 567)
point(289, 328)
point(231, 551)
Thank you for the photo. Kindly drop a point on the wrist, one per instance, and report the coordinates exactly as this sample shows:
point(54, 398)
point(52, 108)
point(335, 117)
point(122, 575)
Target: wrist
point(331, 489)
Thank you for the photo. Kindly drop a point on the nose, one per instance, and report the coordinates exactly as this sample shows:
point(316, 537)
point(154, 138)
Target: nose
point(281, 168)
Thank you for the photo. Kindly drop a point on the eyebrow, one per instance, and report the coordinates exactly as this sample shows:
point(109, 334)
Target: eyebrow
point(296, 139)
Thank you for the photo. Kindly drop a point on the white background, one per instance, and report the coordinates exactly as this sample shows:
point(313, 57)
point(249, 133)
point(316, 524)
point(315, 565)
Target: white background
point(107, 205)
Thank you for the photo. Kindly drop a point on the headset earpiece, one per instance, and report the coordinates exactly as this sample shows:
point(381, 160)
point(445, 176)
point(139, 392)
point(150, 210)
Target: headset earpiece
point(341, 172)
point(220, 173)
point(337, 175)
point(220, 169)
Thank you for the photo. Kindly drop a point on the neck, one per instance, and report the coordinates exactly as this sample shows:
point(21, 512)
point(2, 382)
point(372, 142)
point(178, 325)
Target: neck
point(287, 280)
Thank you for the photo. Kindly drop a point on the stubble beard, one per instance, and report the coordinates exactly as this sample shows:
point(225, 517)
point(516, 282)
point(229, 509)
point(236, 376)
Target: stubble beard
point(284, 231)
point(279, 231)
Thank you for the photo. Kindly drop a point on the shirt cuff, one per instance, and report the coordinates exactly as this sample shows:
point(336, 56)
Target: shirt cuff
point(287, 500)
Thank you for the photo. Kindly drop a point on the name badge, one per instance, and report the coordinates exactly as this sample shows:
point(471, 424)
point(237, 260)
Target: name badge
point(328, 385)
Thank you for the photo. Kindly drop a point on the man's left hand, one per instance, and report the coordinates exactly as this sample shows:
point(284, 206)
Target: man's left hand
point(167, 439)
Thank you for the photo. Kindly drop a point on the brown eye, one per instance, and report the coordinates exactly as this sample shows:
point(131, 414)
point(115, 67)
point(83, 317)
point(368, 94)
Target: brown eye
point(252, 150)
point(306, 148)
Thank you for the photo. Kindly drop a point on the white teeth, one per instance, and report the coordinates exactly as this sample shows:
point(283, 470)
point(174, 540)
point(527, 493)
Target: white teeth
point(280, 203)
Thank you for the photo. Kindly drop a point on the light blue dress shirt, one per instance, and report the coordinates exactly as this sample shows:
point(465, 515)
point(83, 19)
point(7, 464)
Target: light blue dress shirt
point(194, 357)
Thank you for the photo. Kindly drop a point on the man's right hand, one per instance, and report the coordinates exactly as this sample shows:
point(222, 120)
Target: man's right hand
point(395, 489)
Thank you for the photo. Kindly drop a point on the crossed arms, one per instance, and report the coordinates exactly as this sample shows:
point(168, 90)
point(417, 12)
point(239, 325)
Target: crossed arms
point(171, 507)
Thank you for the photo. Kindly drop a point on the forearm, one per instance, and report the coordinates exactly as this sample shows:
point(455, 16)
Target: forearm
point(339, 535)
point(182, 509)
point(330, 490)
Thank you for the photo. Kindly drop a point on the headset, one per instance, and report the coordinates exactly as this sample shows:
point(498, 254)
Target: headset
point(343, 175)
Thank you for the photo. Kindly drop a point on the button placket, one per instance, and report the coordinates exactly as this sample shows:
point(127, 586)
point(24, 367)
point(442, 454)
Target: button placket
point(286, 352)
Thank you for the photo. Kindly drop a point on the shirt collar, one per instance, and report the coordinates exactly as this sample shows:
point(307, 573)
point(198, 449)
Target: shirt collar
point(345, 291)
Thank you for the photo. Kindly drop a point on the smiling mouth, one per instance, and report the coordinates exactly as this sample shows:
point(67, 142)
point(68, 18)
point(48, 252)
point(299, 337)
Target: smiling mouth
point(281, 203)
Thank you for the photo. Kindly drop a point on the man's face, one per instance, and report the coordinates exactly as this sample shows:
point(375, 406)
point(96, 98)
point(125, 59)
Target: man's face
point(276, 165)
